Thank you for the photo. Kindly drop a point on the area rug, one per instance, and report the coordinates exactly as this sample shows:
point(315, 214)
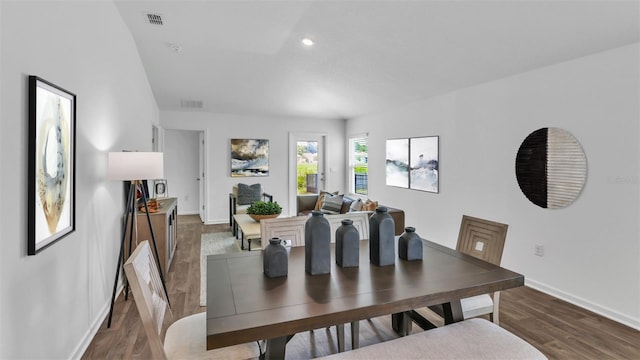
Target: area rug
point(212, 244)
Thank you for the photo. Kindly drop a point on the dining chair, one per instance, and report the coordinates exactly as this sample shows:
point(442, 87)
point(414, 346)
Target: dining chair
point(482, 239)
point(292, 228)
point(186, 337)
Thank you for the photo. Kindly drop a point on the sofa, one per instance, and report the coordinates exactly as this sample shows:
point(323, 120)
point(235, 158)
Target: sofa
point(307, 203)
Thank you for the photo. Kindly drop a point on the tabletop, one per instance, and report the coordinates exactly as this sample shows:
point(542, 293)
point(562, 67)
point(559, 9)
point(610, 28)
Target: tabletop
point(243, 305)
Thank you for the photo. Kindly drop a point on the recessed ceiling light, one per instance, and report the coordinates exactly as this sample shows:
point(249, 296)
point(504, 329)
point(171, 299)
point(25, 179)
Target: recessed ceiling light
point(307, 42)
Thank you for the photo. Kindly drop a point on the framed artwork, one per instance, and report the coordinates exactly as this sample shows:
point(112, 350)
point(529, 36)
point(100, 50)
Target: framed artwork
point(424, 164)
point(52, 153)
point(160, 188)
point(249, 157)
point(397, 163)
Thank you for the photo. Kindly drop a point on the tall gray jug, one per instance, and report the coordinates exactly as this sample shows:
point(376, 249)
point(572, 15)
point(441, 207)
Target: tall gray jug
point(410, 245)
point(347, 245)
point(317, 244)
point(381, 238)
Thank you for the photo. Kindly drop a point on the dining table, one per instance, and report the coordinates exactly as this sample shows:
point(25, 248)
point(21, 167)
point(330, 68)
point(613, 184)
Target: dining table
point(243, 305)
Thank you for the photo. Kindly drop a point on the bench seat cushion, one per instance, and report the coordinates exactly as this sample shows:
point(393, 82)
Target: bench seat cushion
point(469, 339)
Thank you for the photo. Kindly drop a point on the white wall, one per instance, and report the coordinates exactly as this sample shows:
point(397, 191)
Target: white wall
point(592, 248)
point(220, 128)
point(51, 303)
point(181, 156)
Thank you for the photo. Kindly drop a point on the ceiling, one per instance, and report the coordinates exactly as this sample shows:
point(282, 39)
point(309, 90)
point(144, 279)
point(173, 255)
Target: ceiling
point(246, 57)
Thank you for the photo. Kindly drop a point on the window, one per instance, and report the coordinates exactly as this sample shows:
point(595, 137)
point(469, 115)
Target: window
point(358, 165)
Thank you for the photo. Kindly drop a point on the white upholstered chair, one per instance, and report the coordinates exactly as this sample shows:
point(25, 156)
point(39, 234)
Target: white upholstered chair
point(186, 337)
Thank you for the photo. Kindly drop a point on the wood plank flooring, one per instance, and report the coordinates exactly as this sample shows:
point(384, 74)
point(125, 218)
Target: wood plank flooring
point(558, 329)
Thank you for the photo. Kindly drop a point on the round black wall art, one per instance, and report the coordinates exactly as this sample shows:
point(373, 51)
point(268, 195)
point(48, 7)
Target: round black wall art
point(551, 168)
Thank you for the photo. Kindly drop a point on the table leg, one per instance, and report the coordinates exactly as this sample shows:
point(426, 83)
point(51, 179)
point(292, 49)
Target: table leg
point(355, 334)
point(400, 323)
point(340, 334)
point(241, 239)
point(275, 348)
point(452, 312)
point(249, 241)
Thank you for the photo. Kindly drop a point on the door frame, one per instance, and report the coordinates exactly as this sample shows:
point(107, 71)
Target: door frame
point(294, 137)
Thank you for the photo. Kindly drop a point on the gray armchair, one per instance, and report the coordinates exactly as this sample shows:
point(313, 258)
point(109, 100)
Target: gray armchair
point(241, 197)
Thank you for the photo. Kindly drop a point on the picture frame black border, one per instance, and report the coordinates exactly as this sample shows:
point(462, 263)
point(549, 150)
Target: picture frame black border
point(33, 248)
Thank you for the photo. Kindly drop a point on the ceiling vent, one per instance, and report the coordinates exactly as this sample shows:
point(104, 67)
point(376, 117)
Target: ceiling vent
point(154, 19)
point(191, 104)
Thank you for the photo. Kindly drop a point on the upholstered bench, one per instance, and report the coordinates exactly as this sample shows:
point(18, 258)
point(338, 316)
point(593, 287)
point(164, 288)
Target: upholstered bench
point(469, 339)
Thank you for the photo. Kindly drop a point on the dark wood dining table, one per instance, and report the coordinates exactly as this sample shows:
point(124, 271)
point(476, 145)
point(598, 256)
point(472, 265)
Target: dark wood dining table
point(243, 305)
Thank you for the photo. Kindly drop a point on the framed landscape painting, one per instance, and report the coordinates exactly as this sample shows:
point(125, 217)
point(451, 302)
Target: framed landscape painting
point(249, 157)
point(52, 118)
point(424, 163)
point(397, 163)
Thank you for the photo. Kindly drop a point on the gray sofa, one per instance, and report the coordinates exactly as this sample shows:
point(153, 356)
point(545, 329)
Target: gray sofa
point(307, 202)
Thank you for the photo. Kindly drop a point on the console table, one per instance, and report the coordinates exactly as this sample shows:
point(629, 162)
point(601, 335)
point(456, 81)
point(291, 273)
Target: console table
point(165, 230)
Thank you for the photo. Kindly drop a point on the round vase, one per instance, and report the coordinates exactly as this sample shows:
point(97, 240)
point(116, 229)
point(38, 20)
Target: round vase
point(275, 260)
point(381, 238)
point(317, 244)
point(410, 245)
point(347, 245)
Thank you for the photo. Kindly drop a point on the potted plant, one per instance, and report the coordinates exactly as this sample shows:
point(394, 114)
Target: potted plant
point(264, 210)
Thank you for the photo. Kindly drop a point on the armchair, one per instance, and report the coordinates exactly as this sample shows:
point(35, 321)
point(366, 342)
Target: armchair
point(241, 197)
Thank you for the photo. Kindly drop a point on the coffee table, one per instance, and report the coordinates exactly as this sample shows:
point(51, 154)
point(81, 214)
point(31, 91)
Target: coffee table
point(248, 229)
point(248, 306)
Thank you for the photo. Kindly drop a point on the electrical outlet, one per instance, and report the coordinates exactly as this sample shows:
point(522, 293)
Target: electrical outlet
point(539, 250)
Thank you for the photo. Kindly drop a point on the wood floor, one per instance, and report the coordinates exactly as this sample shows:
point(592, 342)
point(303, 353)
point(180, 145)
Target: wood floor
point(558, 329)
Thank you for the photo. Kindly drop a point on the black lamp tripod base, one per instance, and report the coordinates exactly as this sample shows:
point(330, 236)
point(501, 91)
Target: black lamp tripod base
point(129, 214)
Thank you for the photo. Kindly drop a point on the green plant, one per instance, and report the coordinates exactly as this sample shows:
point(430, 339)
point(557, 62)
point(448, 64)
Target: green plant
point(264, 208)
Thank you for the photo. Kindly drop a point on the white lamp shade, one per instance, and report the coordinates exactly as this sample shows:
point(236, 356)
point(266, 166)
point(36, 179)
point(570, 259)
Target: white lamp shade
point(133, 165)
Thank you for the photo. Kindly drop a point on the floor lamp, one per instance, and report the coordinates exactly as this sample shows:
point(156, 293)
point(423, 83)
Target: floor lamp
point(134, 166)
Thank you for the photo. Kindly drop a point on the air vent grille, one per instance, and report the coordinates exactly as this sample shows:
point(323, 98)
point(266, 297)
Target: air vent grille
point(155, 19)
point(191, 104)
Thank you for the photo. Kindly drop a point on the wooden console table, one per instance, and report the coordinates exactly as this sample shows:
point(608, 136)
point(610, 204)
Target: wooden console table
point(165, 230)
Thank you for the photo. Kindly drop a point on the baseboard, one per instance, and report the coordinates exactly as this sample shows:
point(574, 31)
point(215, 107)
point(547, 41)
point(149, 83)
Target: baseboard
point(216, 222)
point(93, 329)
point(189, 212)
point(586, 304)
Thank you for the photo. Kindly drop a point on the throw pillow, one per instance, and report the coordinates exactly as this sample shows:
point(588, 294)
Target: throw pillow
point(332, 204)
point(369, 205)
point(356, 205)
point(320, 200)
point(248, 194)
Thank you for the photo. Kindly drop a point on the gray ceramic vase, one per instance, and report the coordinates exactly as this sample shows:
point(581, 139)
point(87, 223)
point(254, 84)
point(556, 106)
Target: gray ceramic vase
point(275, 260)
point(317, 244)
point(381, 238)
point(347, 245)
point(410, 245)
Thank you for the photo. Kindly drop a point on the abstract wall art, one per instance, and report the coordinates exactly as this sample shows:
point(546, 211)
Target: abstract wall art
point(52, 118)
point(424, 163)
point(397, 163)
point(249, 157)
point(551, 168)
